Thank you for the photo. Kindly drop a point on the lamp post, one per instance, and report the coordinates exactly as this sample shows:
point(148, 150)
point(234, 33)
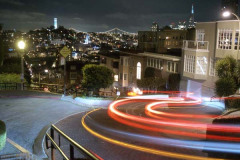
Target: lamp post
point(21, 46)
point(227, 14)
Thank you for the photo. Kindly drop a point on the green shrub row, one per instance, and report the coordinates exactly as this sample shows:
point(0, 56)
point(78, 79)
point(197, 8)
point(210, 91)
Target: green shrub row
point(3, 134)
point(232, 103)
point(10, 78)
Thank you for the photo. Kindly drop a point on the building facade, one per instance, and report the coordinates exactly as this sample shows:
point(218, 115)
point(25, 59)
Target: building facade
point(214, 40)
point(129, 67)
point(161, 41)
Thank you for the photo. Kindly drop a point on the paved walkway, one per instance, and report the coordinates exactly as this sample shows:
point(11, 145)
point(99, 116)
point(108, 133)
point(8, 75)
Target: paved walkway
point(28, 113)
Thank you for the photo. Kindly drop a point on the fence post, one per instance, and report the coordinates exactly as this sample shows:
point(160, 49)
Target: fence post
point(52, 146)
point(59, 140)
point(46, 141)
point(71, 152)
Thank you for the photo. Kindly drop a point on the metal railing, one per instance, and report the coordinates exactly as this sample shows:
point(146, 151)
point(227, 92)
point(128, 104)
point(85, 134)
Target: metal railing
point(196, 45)
point(12, 86)
point(72, 145)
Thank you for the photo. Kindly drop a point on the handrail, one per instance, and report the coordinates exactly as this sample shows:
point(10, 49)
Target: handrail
point(73, 144)
point(56, 146)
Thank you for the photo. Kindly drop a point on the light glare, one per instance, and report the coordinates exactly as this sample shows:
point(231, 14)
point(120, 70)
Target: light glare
point(226, 14)
point(21, 45)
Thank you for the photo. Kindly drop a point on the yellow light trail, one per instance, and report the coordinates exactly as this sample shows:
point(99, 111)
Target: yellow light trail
point(140, 148)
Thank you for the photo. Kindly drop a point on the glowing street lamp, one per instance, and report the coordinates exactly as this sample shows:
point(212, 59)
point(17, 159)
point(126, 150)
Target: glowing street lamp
point(21, 46)
point(227, 14)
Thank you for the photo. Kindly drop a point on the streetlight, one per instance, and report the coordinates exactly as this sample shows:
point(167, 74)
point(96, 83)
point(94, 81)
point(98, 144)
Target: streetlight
point(227, 14)
point(21, 46)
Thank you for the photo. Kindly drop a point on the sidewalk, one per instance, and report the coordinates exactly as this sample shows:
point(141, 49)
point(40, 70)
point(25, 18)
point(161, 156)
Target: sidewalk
point(27, 113)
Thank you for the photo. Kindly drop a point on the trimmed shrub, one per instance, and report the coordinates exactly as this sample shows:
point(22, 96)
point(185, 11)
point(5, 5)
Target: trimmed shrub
point(174, 82)
point(232, 103)
point(225, 87)
point(96, 77)
point(10, 78)
point(3, 134)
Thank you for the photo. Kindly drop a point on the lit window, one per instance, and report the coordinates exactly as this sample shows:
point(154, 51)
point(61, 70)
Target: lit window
point(225, 39)
point(139, 70)
point(236, 40)
point(200, 34)
point(189, 64)
point(116, 78)
point(212, 71)
point(201, 67)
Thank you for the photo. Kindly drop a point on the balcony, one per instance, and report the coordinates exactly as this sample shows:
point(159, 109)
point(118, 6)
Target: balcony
point(197, 46)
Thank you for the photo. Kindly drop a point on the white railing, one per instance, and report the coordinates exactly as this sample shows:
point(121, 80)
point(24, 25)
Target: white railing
point(196, 45)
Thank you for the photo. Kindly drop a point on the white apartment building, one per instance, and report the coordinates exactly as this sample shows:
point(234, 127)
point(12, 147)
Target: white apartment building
point(213, 41)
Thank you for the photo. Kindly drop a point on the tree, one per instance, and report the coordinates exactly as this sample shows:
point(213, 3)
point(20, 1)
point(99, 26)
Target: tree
point(166, 28)
point(12, 67)
point(96, 77)
point(228, 70)
point(226, 67)
point(225, 87)
point(174, 82)
point(152, 79)
point(3, 134)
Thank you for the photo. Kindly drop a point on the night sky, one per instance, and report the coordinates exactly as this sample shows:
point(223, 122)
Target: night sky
point(102, 15)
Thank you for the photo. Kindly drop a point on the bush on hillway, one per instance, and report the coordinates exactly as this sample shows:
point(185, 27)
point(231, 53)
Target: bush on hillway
point(10, 78)
point(96, 77)
point(225, 87)
point(3, 134)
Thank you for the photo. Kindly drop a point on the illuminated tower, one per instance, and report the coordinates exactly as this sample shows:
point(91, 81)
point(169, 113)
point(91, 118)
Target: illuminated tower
point(155, 27)
point(87, 39)
point(191, 23)
point(230, 5)
point(55, 23)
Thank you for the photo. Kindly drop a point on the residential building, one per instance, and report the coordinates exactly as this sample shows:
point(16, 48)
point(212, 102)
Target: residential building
point(161, 41)
point(130, 67)
point(214, 40)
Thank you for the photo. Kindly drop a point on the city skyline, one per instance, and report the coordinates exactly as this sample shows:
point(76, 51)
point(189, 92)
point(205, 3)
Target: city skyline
point(132, 16)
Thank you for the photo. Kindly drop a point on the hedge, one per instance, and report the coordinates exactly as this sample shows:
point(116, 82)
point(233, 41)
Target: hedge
point(3, 134)
point(232, 103)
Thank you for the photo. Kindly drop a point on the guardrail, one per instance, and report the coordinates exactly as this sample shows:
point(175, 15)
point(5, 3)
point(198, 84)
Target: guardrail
point(72, 145)
point(12, 86)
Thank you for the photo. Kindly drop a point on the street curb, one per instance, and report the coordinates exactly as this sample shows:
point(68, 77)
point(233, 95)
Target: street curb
point(90, 103)
point(38, 148)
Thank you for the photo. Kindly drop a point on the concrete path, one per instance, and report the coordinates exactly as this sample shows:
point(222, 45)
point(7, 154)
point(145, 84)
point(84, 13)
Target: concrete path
point(28, 113)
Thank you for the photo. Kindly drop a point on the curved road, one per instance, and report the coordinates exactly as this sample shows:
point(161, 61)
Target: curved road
point(152, 129)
